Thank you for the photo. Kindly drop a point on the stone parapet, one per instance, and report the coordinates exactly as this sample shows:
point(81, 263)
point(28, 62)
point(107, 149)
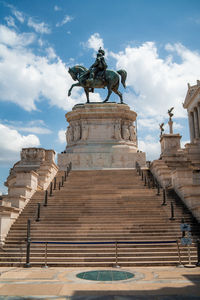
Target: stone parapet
point(33, 172)
point(161, 172)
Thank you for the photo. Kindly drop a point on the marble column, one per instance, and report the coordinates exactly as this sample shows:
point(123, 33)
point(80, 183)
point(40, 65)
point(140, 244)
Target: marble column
point(191, 125)
point(196, 124)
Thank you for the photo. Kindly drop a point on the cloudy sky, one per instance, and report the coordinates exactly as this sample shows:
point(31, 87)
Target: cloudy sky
point(157, 42)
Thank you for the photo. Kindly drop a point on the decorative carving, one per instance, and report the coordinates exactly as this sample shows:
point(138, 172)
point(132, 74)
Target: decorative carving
point(85, 131)
point(170, 120)
point(125, 132)
point(170, 113)
point(69, 135)
point(77, 132)
point(161, 128)
point(132, 133)
point(32, 154)
point(118, 131)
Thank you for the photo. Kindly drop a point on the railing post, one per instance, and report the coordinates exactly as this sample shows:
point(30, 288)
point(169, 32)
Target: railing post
point(28, 244)
point(198, 253)
point(164, 197)
point(145, 180)
point(51, 189)
point(142, 176)
point(59, 185)
point(46, 198)
point(179, 254)
point(116, 256)
point(172, 211)
point(38, 213)
point(62, 181)
point(45, 262)
point(54, 183)
point(65, 175)
point(158, 189)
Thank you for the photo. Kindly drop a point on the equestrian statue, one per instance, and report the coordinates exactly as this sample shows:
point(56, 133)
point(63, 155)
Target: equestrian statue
point(98, 76)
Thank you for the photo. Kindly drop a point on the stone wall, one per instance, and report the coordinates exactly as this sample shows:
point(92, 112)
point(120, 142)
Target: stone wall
point(33, 172)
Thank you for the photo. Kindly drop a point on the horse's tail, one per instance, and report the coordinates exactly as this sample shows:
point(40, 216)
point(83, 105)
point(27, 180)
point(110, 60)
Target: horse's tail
point(123, 75)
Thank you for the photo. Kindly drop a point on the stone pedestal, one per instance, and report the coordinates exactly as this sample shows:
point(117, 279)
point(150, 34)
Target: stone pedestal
point(170, 143)
point(101, 135)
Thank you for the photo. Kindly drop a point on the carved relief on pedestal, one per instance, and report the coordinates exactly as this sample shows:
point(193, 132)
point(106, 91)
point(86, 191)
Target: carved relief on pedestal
point(32, 155)
point(118, 131)
point(132, 132)
point(77, 131)
point(85, 131)
point(125, 131)
point(69, 135)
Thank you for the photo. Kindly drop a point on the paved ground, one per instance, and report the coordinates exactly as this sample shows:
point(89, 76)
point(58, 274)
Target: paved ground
point(160, 283)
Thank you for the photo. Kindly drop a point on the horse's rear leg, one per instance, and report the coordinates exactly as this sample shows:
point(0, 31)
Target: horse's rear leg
point(109, 93)
point(119, 94)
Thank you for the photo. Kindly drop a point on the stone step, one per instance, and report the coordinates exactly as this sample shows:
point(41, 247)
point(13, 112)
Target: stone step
point(99, 206)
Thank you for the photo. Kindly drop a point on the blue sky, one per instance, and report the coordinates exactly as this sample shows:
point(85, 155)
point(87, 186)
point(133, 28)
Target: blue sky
point(157, 42)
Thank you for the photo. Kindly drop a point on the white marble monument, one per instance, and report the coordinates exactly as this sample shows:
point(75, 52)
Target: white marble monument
point(101, 135)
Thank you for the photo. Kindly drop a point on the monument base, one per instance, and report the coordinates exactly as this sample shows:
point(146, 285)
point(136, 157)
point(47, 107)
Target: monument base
point(112, 156)
point(99, 136)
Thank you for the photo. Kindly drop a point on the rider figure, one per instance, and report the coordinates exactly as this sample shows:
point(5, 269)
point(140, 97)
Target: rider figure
point(99, 65)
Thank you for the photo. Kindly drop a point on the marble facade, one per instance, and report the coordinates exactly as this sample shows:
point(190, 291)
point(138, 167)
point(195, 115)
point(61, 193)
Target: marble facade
point(101, 135)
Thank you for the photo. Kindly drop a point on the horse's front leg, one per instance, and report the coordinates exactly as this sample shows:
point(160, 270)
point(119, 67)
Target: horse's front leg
point(87, 94)
point(73, 85)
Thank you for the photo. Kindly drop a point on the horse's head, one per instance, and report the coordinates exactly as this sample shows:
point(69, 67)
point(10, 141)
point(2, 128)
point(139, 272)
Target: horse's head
point(72, 73)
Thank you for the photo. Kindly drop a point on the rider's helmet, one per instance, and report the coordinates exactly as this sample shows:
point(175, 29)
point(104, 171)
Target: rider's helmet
point(101, 51)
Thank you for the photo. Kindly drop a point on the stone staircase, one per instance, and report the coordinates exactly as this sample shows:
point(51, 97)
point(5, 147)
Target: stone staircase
point(100, 206)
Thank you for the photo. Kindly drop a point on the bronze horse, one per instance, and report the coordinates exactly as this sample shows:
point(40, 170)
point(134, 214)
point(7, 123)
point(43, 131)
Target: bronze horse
point(111, 81)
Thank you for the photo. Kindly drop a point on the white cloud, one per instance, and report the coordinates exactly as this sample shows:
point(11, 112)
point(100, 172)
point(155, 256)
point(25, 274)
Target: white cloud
point(183, 143)
point(177, 126)
point(12, 142)
point(95, 42)
point(51, 53)
point(39, 27)
point(19, 15)
point(151, 147)
point(9, 37)
point(158, 83)
point(62, 136)
point(57, 8)
point(26, 78)
point(150, 124)
point(10, 21)
point(37, 130)
point(66, 19)
point(35, 126)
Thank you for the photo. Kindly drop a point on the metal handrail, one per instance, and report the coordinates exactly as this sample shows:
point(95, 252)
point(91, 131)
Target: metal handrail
point(29, 242)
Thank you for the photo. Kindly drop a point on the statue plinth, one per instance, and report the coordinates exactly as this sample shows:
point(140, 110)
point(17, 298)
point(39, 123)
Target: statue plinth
point(170, 144)
point(101, 135)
